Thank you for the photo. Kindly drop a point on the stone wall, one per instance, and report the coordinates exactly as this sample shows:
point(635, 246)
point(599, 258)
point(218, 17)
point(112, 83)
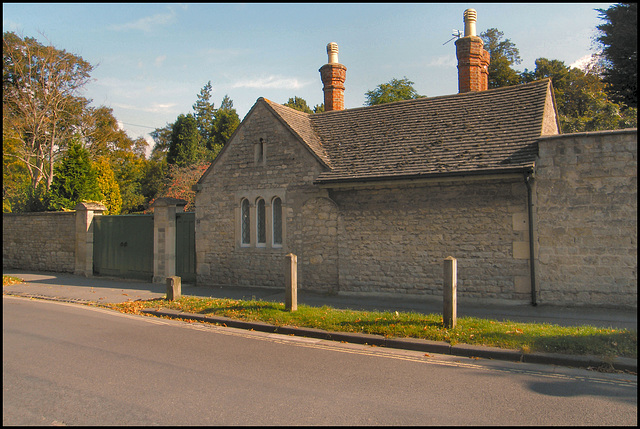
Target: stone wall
point(393, 239)
point(586, 226)
point(39, 241)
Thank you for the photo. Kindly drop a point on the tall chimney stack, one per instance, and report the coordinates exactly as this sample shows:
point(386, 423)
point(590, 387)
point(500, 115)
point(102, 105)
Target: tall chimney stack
point(473, 60)
point(333, 76)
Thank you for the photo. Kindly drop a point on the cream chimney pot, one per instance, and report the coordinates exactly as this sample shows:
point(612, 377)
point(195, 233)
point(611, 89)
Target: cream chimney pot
point(332, 51)
point(470, 18)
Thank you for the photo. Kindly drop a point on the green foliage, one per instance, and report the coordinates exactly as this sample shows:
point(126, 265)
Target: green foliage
point(298, 103)
point(394, 90)
point(75, 180)
point(204, 113)
point(581, 99)
point(129, 169)
point(225, 124)
point(108, 186)
point(185, 139)
point(162, 140)
point(504, 55)
point(619, 41)
point(188, 141)
point(155, 178)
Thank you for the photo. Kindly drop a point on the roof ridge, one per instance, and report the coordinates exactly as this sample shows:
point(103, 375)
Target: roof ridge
point(441, 97)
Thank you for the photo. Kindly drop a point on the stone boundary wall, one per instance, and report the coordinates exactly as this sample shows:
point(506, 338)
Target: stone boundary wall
point(39, 241)
point(586, 219)
point(63, 241)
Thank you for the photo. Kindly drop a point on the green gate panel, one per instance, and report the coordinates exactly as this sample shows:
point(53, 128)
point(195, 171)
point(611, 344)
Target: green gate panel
point(186, 246)
point(123, 246)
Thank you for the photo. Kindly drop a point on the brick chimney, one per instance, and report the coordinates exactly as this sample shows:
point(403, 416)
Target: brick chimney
point(333, 76)
point(473, 60)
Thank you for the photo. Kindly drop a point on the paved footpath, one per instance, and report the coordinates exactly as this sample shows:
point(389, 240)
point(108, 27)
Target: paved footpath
point(68, 287)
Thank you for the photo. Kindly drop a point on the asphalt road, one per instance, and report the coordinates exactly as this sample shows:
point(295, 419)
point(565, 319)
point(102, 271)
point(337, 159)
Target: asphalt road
point(68, 364)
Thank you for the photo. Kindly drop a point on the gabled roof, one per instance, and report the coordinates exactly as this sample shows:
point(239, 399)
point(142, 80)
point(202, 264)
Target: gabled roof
point(300, 123)
point(475, 132)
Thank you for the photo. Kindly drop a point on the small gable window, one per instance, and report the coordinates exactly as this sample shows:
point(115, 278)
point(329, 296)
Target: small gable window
point(245, 219)
point(260, 152)
point(276, 207)
point(262, 222)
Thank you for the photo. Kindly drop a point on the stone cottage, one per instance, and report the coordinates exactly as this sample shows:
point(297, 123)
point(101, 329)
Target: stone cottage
point(372, 199)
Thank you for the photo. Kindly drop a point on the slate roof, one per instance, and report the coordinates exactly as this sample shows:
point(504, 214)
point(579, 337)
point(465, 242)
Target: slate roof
point(471, 133)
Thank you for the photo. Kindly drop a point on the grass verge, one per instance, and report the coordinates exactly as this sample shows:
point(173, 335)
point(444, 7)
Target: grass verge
point(527, 337)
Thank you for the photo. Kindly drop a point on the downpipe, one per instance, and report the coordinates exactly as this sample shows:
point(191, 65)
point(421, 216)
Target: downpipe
point(528, 179)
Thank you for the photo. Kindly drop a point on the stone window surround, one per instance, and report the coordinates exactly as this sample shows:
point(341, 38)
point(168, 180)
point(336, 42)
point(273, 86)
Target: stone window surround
point(260, 152)
point(268, 195)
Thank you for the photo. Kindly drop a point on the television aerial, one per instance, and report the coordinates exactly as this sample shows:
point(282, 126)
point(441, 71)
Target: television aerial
point(456, 35)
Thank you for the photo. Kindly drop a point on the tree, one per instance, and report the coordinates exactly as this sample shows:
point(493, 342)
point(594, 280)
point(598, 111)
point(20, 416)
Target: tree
point(394, 90)
point(185, 139)
point(75, 180)
point(204, 113)
point(298, 104)
point(180, 183)
point(581, 100)
point(504, 55)
point(225, 124)
point(619, 41)
point(155, 178)
point(40, 101)
point(107, 142)
point(162, 140)
point(557, 71)
point(102, 135)
point(108, 186)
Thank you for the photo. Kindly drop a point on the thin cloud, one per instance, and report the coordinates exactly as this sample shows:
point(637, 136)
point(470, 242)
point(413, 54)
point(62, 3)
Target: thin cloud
point(443, 61)
point(153, 108)
point(159, 60)
point(148, 23)
point(271, 82)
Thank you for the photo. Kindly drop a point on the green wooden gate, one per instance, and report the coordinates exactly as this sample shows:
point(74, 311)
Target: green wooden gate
point(186, 246)
point(123, 246)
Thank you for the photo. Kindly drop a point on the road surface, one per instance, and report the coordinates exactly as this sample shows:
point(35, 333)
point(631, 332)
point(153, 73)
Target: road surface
point(69, 364)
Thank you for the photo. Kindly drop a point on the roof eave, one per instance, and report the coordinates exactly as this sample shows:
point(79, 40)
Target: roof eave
point(428, 176)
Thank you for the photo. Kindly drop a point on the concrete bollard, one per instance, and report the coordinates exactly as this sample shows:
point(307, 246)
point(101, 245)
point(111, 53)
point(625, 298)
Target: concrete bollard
point(450, 290)
point(174, 288)
point(291, 283)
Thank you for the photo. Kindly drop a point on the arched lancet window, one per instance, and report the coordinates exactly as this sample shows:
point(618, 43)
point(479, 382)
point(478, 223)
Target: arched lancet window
point(262, 222)
point(245, 222)
point(276, 208)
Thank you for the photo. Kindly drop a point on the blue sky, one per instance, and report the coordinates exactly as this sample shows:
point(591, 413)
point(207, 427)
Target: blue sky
point(153, 59)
